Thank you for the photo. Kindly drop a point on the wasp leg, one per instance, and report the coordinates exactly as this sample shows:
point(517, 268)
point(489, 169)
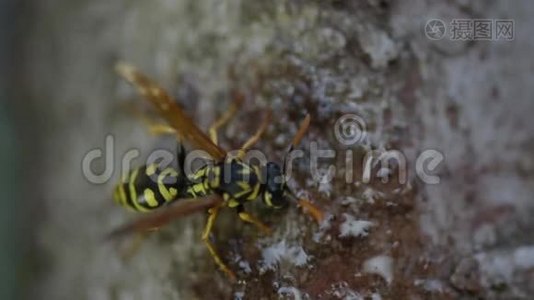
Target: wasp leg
point(246, 217)
point(160, 129)
point(213, 212)
point(254, 139)
point(131, 249)
point(225, 118)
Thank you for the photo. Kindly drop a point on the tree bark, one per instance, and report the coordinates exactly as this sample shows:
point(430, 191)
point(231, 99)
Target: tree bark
point(466, 236)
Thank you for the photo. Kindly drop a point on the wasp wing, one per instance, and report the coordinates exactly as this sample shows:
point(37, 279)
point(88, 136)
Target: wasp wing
point(169, 110)
point(159, 218)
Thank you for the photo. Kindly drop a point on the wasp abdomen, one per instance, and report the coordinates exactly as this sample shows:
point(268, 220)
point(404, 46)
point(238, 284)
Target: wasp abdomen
point(149, 187)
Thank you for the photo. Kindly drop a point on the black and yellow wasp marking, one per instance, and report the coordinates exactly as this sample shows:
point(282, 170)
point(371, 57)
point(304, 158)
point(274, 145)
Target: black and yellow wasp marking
point(229, 177)
point(149, 187)
point(243, 183)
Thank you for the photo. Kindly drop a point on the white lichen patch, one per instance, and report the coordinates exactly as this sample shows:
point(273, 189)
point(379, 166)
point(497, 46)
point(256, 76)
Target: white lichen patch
point(290, 291)
point(325, 188)
point(349, 200)
point(376, 296)
point(324, 181)
point(281, 252)
point(357, 87)
point(239, 295)
point(524, 257)
point(243, 264)
point(354, 228)
point(381, 265)
point(323, 228)
point(501, 266)
point(430, 285)
point(378, 45)
point(384, 174)
point(370, 195)
point(341, 290)
point(484, 236)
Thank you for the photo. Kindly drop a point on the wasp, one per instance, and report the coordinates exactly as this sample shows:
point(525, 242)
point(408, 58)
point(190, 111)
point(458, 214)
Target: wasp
point(228, 181)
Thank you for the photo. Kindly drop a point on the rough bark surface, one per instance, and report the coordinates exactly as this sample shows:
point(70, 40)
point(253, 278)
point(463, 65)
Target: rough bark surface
point(468, 236)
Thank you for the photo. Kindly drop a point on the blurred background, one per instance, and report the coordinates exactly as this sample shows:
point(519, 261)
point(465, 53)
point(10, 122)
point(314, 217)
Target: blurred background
point(417, 85)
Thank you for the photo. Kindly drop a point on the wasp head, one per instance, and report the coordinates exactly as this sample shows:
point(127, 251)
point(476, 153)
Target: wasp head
point(275, 187)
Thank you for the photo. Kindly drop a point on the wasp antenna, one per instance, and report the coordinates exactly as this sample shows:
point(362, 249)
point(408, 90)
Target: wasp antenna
point(126, 70)
point(268, 115)
point(311, 209)
point(238, 97)
point(297, 138)
point(302, 130)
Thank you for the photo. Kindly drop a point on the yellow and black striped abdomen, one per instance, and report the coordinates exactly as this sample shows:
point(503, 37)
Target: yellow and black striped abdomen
point(150, 187)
